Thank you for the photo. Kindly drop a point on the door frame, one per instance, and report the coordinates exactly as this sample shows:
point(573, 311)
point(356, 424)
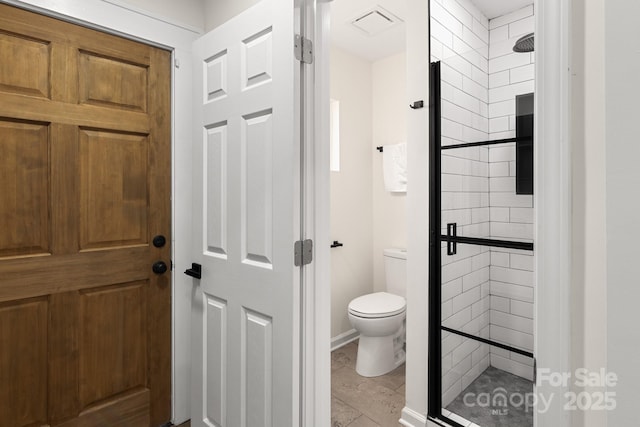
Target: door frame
point(552, 201)
point(117, 18)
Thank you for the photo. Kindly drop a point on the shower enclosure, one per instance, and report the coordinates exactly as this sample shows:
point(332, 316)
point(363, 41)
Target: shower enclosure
point(481, 291)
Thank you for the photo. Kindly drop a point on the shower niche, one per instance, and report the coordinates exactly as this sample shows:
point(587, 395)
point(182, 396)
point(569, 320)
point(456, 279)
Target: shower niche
point(481, 286)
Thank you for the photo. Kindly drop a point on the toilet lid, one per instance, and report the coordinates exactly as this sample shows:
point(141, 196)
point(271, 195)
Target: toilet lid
point(379, 304)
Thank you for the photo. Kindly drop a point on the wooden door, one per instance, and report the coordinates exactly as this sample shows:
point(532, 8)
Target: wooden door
point(245, 342)
point(85, 325)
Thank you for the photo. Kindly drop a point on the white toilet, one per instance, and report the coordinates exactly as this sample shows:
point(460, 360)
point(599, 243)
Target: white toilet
point(379, 318)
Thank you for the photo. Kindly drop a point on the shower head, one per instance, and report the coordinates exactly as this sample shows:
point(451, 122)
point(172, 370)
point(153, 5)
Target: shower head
point(524, 44)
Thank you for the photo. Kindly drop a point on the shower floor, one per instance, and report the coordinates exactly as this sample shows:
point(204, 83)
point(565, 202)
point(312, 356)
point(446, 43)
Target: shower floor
point(484, 406)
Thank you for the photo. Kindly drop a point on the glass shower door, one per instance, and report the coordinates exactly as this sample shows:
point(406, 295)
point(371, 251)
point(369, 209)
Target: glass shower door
point(481, 363)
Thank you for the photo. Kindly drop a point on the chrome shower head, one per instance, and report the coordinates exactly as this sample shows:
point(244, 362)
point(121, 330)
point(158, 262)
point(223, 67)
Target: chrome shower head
point(524, 44)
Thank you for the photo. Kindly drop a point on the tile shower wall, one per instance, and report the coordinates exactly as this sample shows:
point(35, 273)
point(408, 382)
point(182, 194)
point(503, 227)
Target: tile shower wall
point(460, 40)
point(511, 215)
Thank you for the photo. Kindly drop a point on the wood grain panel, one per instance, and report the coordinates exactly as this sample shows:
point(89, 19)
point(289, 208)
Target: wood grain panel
point(24, 188)
point(112, 345)
point(113, 189)
point(128, 410)
point(23, 363)
point(28, 74)
point(112, 83)
point(64, 321)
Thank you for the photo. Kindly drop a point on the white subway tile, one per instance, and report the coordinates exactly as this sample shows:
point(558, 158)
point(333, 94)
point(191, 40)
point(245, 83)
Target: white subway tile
point(450, 395)
point(480, 353)
point(462, 355)
point(510, 321)
point(503, 108)
point(441, 34)
point(458, 320)
point(499, 79)
point(451, 289)
point(511, 200)
point(509, 290)
point(473, 39)
point(466, 299)
point(436, 49)
point(481, 260)
point(474, 89)
point(521, 74)
point(502, 47)
point(512, 123)
point(521, 27)
point(473, 10)
point(507, 230)
point(509, 275)
point(499, 169)
point(528, 361)
point(450, 75)
point(460, 13)
point(480, 214)
point(505, 93)
point(506, 62)
point(498, 34)
point(481, 307)
point(512, 337)
point(521, 308)
point(475, 278)
point(512, 367)
point(522, 262)
point(476, 324)
point(503, 135)
point(498, 125)
point(480, 31)
point(499, 214)
point(511, 17)
point(522, 214)
point(459, 63)
point(455, 113)
point(444, 17)
point(499, 259)
point(502, 184)
point(455, 270)
point(500, 303)
point(463, 200)
point(502, 153)
point(446, 310)
point(459, 216)
point(450, 342)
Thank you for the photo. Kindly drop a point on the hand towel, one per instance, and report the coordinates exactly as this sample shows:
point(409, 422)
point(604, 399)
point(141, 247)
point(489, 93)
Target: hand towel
point(394, 167)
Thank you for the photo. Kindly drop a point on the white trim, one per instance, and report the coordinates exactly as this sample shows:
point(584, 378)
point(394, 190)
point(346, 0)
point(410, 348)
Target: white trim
point(411, 418)
point(344, 339)
point(317, 304)
point(552, 199)
point(131, 24)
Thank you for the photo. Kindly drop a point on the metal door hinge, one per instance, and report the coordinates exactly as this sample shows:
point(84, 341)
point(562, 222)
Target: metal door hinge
point(303, 49)
point(302, 252)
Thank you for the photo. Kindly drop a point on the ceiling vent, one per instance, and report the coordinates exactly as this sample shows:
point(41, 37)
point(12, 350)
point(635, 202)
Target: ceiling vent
point(374, 21)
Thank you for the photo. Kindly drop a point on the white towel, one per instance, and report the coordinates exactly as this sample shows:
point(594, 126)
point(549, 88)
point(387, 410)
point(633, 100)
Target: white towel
point(394, 167)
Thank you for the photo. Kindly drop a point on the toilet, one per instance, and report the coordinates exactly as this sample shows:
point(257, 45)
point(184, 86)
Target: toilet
point(379, 318)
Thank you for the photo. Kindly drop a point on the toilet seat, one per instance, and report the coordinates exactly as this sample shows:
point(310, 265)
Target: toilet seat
point(377, 305)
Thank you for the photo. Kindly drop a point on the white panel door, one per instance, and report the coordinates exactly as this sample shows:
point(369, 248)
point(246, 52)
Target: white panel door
point(245, 338)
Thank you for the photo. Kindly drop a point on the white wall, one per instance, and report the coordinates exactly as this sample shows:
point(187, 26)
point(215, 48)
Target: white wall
point(351, 198)
point(622, 109)
point(218, 12)
point(389, 79)
point(188, 12)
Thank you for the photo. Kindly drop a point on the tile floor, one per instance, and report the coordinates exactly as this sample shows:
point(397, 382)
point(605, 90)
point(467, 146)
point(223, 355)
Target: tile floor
point(493, 382)
point(363, 402)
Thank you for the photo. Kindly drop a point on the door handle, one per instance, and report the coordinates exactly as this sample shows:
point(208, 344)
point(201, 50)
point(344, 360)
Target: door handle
point(159, 267)
point(452, 231)
point(194, 271)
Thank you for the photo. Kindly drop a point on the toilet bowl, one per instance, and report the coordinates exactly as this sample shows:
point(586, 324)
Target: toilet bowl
point(379, 318)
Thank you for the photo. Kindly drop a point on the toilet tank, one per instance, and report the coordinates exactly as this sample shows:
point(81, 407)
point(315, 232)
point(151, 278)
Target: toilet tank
point(395, 271)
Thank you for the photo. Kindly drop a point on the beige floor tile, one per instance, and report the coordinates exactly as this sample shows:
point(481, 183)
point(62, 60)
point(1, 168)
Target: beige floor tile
point(381, 404)
point(364, 421)
point(342, 414)
point(344, 356)
point(393, 379)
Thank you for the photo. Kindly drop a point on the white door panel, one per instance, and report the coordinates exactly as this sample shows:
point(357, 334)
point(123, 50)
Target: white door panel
point(245, 334)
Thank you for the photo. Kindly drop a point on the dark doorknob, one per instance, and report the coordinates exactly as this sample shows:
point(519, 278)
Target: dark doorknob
point(159, 267)
point(159, 241)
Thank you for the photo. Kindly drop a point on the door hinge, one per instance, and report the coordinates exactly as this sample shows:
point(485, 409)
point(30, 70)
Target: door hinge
point(303, 49)
point(302, 252)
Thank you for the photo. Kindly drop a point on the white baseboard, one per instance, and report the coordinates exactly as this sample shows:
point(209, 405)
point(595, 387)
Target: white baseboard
point(411, 418)
point(344, 339)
